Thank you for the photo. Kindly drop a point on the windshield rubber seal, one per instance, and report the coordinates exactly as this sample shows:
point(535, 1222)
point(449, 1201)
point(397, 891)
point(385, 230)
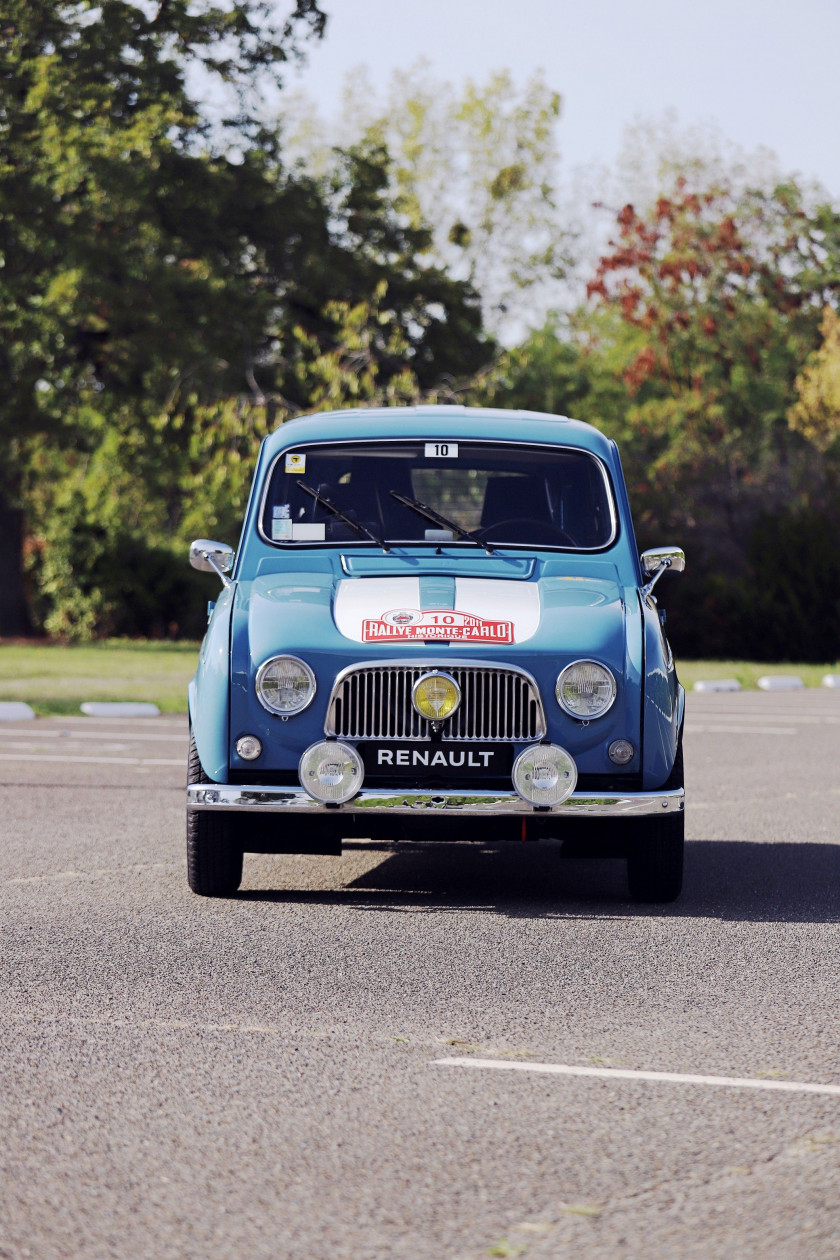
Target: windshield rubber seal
point(431, 543)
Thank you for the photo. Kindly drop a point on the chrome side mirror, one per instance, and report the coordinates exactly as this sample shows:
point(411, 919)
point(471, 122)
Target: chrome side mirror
point(658, 561)
point(212, 557)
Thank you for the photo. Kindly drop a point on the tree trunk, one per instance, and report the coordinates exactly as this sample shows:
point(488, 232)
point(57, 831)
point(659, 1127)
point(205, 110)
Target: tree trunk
point(14, 616)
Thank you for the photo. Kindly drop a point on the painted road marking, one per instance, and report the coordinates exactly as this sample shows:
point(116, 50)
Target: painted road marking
point(96, 761)
point(33, 733)
point(628, 1074)
point(724, 715)
point(708, 728)
point(177, 1025)
point(135, 868)
point(28, 734)
point(107, 725)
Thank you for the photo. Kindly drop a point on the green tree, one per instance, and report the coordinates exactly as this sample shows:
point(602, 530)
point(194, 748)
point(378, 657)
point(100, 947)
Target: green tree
point(99, 180)
point(693, 352)
point(162, 278)
point(719, 297)
point(816, 412)
point(478, 163)
point(373, 260)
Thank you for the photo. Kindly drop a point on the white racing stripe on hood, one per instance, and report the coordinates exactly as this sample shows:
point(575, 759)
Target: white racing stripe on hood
point(389, 610)
point(358, 599)
point(494, 598)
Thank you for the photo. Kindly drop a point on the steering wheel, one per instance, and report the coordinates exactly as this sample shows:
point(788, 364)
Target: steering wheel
point(544, 526)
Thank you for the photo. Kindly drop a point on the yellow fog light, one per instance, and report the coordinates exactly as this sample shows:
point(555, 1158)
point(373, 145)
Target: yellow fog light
point(436, 696)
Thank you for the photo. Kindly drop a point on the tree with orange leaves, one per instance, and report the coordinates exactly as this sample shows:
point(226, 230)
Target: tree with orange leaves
point(698, 342)
point(719, 297)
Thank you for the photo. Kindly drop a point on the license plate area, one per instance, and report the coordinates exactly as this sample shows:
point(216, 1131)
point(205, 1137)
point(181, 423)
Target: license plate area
point(453, 761)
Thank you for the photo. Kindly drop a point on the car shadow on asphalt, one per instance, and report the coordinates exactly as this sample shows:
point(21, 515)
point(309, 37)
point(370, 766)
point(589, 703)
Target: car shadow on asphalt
point(730, 880)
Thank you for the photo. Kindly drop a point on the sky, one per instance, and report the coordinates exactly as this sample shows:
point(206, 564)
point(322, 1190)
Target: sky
point(766, 73)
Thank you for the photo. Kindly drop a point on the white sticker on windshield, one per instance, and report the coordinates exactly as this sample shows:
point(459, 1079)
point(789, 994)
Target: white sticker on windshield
point(441, 450)
point(281, 529)
point(295, 463)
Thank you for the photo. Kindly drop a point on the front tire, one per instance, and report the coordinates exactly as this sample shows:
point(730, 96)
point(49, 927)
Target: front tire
point(214, 855)
point(655, 859)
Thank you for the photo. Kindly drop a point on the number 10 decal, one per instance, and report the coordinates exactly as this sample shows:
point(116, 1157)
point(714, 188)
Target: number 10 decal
point(441, 450)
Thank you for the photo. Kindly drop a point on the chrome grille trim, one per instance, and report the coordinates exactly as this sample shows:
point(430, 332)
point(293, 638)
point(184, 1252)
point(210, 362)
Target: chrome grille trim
point(499, 704)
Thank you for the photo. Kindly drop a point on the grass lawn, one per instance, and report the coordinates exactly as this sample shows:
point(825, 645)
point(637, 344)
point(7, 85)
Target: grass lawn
point(56, 679)
point(748, 672)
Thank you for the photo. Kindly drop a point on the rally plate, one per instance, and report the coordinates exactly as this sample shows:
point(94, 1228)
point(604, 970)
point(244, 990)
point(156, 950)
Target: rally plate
point(458, 760)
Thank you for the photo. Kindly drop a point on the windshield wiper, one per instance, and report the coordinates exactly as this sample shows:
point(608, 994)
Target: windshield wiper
point(423, 509)
point(362, 530)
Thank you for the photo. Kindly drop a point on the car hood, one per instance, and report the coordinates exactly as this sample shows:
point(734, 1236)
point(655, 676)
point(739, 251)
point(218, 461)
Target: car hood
point(371, 617)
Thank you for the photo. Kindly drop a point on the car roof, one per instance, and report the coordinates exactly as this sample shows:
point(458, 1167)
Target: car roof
point(452, 422)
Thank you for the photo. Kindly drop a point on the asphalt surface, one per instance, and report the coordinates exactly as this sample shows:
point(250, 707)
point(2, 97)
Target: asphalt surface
point(260, 1077)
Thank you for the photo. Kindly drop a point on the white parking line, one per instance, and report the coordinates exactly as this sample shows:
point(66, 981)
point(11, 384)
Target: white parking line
point(120, 1024)
point(134, 869)
point(729, 728)
point(95, 761)
point(628, 1074)
point(125, 733)
point(726, 715)
point(166, 720)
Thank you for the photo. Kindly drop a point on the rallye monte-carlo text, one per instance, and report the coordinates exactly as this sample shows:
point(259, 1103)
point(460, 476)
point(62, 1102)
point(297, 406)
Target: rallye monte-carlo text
point(436, 626)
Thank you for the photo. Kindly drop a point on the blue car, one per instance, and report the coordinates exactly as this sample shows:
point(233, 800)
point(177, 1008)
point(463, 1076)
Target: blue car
point(437, 627)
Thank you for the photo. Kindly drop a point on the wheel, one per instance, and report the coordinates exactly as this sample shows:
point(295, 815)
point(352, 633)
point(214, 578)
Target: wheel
point(655, 858)
point(214, 855)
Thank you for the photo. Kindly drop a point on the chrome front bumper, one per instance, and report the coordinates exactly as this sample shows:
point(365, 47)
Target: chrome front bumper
point(369, 800)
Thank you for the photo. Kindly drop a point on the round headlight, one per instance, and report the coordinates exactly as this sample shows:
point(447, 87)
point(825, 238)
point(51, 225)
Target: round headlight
point(585, 689)
point(331, 772)
point(436, 696)
point(544, 774)
point(285, 685)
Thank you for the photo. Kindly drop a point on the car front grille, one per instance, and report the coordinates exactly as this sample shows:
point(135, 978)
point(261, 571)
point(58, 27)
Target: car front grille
point(374, 702)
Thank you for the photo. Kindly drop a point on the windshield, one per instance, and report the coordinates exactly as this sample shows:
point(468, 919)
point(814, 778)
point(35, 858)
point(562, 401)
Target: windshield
point(489, 494)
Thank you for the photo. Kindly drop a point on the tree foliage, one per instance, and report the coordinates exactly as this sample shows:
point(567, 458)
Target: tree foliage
point(700, 351)
point(479, 163)
point(718, 297)
point(177, 279)
point(115, 227)
point(816, 412)
point(161, 281)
